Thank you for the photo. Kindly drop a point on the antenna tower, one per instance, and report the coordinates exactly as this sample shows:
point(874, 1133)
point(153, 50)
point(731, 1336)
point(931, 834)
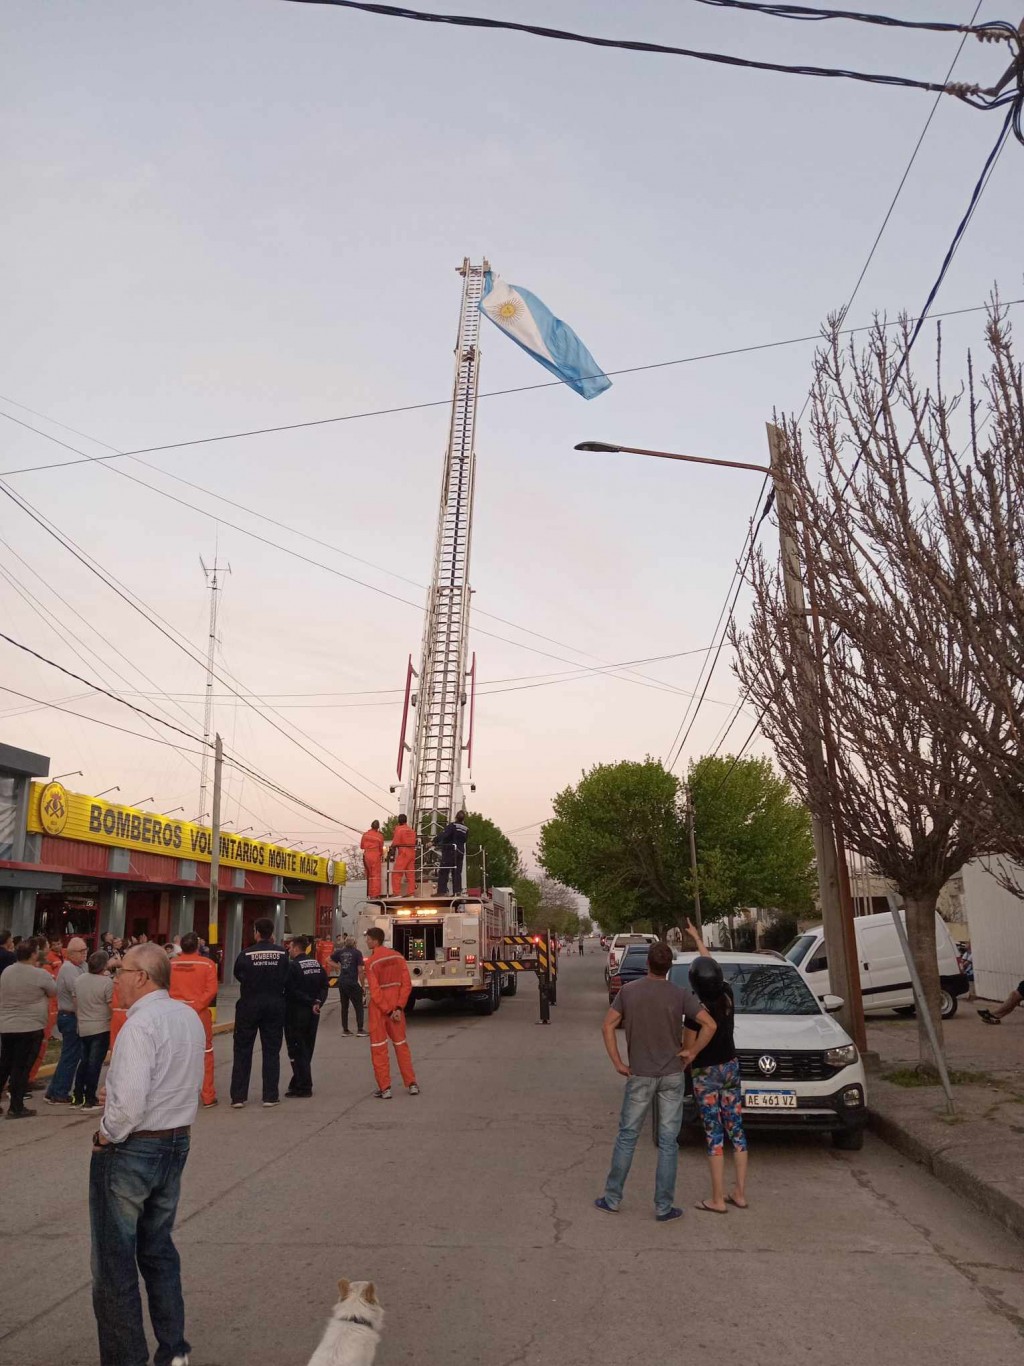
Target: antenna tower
point(211, 572)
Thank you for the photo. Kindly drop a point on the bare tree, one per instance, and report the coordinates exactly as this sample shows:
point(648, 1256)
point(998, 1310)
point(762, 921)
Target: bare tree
point(893, 682)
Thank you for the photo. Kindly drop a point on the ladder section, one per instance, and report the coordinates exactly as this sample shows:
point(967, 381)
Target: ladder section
point(441, 699)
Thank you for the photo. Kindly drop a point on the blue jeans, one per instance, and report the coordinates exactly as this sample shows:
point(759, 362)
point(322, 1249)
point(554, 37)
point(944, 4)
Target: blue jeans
point(87, 1079)
point(133, 1198)
point(70, 1056)
point(637, 1101)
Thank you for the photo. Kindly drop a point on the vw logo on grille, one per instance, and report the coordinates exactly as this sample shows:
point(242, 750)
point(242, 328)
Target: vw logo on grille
point(767, 1065)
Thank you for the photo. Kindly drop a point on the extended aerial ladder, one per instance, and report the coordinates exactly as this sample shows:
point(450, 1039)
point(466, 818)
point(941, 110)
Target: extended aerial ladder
point(439, 693)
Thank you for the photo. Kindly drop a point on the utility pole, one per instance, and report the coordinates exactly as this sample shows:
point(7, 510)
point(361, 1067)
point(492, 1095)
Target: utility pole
point(843, 970)
point(212, 582)
point(693, 857)
point(218, 773)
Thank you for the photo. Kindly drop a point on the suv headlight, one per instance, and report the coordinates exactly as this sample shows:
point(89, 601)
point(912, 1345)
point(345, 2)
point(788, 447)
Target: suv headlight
point(841, 1057)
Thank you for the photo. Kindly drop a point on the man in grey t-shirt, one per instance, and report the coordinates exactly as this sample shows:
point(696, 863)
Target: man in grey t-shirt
point(652, 1010)
point(59, 1090)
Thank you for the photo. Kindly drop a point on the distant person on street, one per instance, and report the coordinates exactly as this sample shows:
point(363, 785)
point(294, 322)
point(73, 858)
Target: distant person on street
point(372, 845)
point(387, 977)
point(403, 854)
point(94, 995)
point(452, 844)
point(306, 992)
point(262, 974)
point(139, 1153)
point(350, 988)
point(25, 993)
point(59, 1090)
point(716, 1079)
point(652, 1010)
point(581, 945)
point(1012, 1002)
point(7, 956)
point(194, 981)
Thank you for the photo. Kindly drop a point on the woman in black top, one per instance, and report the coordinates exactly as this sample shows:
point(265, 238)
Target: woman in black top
point(716, 1081)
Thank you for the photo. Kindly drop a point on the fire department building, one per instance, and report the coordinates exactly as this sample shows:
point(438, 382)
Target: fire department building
point(75, 864)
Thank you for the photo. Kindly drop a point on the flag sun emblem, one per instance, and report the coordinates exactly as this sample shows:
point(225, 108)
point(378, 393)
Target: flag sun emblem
point(510, 310)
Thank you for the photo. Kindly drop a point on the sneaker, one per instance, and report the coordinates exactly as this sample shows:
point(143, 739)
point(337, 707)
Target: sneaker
point(347, 1033)
point(988, 1017)
point(57, 1100)
point(269, 1104)
point(89, 1107)
point(22, 1114)
point(238, 1105)
point(209, 1104)
point(383, 1095)
point(414, 1090)
point(672, 1214)
point(603, 1204)
point(361, 1034)
point(180, 1361)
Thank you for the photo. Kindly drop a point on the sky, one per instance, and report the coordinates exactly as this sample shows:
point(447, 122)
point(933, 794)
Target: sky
point(224, 215)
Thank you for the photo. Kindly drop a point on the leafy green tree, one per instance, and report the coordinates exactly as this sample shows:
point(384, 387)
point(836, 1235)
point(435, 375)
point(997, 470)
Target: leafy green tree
point(754, 844)
point(586, 926)
point(527, 892)
point(618, 838)
point(557, 911)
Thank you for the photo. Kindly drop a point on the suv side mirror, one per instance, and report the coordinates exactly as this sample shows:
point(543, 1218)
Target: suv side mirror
point(832, 1003)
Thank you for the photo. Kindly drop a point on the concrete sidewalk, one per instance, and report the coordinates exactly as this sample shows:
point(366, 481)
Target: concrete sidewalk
point(977, 1151)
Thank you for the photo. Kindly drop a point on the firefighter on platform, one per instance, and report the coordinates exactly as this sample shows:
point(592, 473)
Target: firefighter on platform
point(387, 978)
point(452, 844)
point(403, 854)
point(194, 981)
point(372, 845)
point(306, 993)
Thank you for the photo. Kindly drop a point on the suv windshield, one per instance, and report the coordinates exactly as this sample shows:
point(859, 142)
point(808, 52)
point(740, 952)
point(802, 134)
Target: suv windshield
point(798, 950)
point(768, 988)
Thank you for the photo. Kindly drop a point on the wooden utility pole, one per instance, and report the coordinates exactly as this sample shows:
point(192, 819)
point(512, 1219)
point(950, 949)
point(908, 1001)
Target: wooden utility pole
point(693, 857)
point(843, 971)
point(218, 774)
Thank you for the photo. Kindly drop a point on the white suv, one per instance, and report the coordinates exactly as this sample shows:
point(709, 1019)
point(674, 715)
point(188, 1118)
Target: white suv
point(618, 946)
point(799, 1067)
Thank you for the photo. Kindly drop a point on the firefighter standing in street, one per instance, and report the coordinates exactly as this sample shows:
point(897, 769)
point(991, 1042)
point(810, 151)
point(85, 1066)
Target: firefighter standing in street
point(372, 845)
point(194, 981)
point(307, 991)
point(387, 977)
point(452, 843)
point(403, 852)
point(262, 974)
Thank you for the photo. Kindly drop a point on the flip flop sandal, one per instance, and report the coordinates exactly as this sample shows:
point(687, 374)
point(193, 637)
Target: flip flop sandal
point(709, 1209)
point(730, 1201)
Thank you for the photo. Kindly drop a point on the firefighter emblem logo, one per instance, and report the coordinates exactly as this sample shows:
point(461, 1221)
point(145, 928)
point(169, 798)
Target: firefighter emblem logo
point(330, 870)
point(53, 808)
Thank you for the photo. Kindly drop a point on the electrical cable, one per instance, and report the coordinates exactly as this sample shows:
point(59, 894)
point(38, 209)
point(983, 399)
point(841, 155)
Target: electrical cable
point(970, 95)
point(810, 12)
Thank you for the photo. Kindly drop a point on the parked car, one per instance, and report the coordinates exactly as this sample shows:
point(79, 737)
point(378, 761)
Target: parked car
point(632, 966)
point(884, 980)
point(619, 944)
point(799, 1067)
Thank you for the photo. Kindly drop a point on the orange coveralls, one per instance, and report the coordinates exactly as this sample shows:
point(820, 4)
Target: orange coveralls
point(372, 845)
point(118, 1013)
point(403, 842)
point(387, 976)
point(194, 981)
point(52, 965)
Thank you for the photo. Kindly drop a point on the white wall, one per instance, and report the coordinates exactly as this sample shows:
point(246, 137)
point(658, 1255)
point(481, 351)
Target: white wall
point(996, 923)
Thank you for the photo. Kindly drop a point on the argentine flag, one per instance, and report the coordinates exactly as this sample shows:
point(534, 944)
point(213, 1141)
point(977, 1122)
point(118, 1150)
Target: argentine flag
point(531, 325)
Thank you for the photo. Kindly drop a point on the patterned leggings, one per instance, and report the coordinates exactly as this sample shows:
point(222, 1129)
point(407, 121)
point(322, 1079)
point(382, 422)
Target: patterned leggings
point(717, 1091)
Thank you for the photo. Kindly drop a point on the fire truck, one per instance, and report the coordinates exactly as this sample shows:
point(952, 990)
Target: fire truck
point(459, 945)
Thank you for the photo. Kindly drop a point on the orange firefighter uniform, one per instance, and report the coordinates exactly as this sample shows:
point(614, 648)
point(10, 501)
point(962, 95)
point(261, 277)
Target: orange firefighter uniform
point(372, 845)
point(387, 977)
point(118, 1012)
point(51, 964)
point(403, 847)
point(194, 981)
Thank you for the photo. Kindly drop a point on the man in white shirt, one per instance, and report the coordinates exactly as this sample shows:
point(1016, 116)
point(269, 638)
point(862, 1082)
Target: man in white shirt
point(139, 1154)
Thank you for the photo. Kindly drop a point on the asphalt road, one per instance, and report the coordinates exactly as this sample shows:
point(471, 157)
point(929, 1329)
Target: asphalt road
point(471, 1208)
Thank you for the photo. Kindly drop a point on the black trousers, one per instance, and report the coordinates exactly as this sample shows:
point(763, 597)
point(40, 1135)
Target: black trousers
point(351, 994)
point(265, 1018)
point(300, 1027)
point(452, 870)
point(17, 1054)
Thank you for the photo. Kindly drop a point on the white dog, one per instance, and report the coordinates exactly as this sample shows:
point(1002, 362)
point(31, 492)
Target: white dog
point(353, 1330)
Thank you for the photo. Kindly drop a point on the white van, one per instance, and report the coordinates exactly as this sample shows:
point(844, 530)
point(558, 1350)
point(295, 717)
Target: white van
point(884, 980)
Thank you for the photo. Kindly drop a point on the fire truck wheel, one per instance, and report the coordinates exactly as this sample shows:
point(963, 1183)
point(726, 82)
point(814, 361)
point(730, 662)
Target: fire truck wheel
point(511, 984)
point(485, 1002)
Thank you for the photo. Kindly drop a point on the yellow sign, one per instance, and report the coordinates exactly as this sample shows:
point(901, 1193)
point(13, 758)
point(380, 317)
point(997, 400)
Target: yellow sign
point(74, 816)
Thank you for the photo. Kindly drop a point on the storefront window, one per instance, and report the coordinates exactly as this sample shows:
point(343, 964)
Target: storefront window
point(8, 814)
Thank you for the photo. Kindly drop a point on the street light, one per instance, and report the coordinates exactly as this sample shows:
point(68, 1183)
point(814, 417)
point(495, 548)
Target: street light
point(172, 811)
point(141, 800)
point(201, 817)
point(106, 790)
point(57, 776)
point(245, 830)
point(606, 449)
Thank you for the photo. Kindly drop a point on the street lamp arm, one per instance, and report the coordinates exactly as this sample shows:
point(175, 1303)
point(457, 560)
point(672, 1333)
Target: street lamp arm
point(670, 455)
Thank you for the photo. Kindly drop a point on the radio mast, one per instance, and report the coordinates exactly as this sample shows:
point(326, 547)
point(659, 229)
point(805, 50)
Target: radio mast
point(213, 584)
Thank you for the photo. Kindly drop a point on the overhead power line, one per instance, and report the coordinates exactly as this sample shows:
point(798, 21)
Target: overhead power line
point(811, 12)
point(972, 95)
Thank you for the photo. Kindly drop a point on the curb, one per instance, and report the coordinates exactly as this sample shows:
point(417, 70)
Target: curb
point(952, 1173)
